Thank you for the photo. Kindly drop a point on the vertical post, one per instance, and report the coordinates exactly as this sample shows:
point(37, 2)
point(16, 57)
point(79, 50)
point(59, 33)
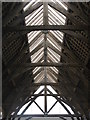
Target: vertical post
point(1, 60)
point(45, 22)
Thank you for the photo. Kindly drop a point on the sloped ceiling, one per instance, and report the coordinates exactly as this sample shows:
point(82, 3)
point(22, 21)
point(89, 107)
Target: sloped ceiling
point(45, 43)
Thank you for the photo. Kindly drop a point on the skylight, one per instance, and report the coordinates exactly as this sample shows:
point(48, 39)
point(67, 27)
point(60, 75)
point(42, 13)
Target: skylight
point(37, 107)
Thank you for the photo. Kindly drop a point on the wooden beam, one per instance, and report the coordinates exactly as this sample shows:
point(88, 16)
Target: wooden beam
point(39, 107)
point(79, 36)
point(51, 115)
point(52, 106)
point(22, 68)
point(41, 84)
point(26, 65)
point(45, 27)
point(45, 13)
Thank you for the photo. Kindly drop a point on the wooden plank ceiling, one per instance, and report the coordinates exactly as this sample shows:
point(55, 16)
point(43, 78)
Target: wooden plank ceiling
point(45, 43)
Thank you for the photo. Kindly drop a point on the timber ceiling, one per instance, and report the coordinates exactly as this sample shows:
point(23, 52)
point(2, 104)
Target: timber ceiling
point(45, 44)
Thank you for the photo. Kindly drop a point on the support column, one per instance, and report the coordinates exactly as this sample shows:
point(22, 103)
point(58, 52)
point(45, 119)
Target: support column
point(45, 22)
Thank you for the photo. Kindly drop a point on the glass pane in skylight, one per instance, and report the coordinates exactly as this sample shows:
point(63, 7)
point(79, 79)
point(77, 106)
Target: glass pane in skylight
point(62, 4)
point(39, 22)
point(38, 76)
point(21, 110)
point(54, 54)
point(52, 75)
point(33, 109)
point(31, 19)
point(50, 101)
point(37, 37)
point(39, 89)
point(51, 89)
point(51, 41)
point(28, 5)
point(52, 58)
point(50, 79)
point(36, 69)
point(40, 17)
point(40, 101)
point(58, 109)
point(39, 42)
point(57, 19)
point(54, 69)
point(38, 58)
point(37, 55)
point(68, 108)
point(59, 39)
point(53, 72)
point(32, 35)
point(51, 22)
point(56, 16)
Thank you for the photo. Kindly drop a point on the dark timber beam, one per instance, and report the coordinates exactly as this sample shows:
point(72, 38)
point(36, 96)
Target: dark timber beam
point(22, 68)
point(51, 84)
point(45, 27)
point(39, 107)
point(48, 64)
point(51, 115)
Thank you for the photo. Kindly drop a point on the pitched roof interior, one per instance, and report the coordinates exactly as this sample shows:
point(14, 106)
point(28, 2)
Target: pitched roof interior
point(59, 58)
